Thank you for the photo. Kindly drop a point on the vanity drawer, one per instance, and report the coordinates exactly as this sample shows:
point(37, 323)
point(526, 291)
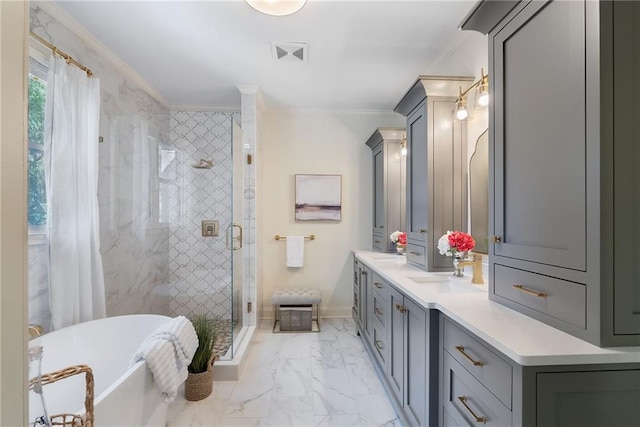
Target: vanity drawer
point(379, 243)
point(380, 287)
point(379, 309)
point(560, 299)
point(379, 343)
point(467, 402)
point(416, 254)
point(482, 363)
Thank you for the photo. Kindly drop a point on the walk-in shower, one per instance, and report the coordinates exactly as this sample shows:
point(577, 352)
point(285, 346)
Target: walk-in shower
point(201, 186)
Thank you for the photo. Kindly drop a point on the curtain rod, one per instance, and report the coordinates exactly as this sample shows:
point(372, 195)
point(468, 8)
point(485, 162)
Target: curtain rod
point(60, 53)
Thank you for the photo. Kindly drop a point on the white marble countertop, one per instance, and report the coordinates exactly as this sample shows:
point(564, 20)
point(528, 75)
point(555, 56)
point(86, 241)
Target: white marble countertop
point(526, 341)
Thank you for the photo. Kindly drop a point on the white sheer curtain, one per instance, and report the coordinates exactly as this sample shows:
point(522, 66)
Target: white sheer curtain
point(76, 280)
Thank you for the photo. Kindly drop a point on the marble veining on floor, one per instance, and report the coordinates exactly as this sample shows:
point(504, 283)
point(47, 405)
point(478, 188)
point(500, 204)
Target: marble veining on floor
point(313, 379)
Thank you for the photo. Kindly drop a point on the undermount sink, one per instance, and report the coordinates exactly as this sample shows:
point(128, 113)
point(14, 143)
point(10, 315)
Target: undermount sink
point(429, 279)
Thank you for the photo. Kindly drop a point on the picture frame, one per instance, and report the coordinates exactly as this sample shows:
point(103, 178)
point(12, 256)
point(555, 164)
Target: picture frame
point(318, 197)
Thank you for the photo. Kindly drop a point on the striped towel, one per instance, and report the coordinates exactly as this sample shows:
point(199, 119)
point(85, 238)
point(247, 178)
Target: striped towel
point(168, 352)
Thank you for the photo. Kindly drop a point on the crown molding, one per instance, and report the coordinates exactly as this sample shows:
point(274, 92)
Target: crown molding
point(72, 25)
point(248, 89)
point(205, 108)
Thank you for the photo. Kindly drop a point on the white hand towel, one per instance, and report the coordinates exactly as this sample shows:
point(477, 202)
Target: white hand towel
point(168, 352)
point(295, 251)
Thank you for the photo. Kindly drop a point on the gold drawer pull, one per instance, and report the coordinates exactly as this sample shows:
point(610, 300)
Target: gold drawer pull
point(378, 311)
point(378, 344)
point(423, 230)
point(378, 285)
point(530, 291)
point(463, 400)
point(401, 308)
point(377, 241)
point(475, 362)
point(415, 253)
point(496, 239)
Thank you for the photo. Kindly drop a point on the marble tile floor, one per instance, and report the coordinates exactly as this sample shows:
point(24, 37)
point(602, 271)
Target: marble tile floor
point(307, 379)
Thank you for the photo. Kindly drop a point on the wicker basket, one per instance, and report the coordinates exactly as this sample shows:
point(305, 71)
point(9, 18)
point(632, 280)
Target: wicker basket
point(70, 420)
point(199, 386)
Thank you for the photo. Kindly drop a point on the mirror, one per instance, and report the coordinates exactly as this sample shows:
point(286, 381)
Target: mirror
point(479, 193)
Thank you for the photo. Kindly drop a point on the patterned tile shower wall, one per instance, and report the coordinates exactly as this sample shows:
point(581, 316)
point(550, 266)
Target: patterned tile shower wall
point(200, 269)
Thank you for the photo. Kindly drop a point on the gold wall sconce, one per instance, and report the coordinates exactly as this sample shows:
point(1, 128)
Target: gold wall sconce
point(481, 96)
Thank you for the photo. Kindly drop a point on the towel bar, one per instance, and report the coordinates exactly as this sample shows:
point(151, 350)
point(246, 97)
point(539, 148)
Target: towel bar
point(310, 237)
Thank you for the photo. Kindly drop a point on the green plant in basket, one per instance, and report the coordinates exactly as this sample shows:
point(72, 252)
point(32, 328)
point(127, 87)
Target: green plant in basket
point(207, 331)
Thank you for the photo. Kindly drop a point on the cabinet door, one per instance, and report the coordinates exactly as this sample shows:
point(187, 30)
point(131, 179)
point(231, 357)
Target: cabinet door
point(357, 273)
point(368, 295)
point(378, 190)
point(396, 344)
point(416, 349)
point(607, 398)
point(364, 282)
point(417, 174)
point(539, 135)
point(626, 152)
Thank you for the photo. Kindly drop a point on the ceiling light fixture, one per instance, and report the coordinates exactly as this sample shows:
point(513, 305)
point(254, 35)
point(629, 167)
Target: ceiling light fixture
point(277, 7)
point(481, 96)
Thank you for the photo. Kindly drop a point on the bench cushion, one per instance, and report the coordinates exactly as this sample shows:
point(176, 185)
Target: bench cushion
point(296, 296)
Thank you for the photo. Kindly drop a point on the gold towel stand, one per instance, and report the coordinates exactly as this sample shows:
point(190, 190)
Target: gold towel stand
point(310, 237)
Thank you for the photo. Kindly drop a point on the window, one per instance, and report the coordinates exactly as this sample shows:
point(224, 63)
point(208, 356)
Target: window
point(37, 197)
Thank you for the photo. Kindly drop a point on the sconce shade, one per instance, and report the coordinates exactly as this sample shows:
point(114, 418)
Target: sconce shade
point(461, 109)
point(277, 7)
point(483, 92)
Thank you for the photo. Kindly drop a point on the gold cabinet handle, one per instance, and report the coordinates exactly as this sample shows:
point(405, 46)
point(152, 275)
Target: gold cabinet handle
point(415, 253)
point(469, 358)
point(496, 239)
point(463, 400)
point(401, 308)
point(378, 344)
point(530, 291)
point(378, 311)
point(378, 285)
point(377, 241)
point(423, 230)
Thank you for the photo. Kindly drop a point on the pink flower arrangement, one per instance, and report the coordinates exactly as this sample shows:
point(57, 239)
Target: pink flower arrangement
point(398, 237)
point(455, 242)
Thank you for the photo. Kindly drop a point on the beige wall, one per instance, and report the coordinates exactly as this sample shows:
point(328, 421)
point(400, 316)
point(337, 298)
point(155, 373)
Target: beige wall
point(316, 143)
point(13, 202)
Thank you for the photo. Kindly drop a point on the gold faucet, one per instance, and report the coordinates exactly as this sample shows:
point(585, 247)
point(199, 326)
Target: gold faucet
point(476, 263)
point(35, 331)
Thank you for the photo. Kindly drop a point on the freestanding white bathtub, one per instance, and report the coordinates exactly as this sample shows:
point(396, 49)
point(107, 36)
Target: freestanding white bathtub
point(124, 394)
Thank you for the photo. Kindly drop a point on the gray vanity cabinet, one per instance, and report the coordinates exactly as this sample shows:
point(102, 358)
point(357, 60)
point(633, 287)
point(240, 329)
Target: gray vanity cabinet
point(361, 275)
point(388, 186)
point(564, 162)
point(480, 385)
point(436, 168)
point(412, 370)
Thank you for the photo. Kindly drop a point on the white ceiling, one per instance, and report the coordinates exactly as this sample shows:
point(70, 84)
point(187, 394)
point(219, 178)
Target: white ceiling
point(362, 55)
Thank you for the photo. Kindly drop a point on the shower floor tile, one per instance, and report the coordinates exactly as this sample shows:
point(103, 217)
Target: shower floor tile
point(324, 379)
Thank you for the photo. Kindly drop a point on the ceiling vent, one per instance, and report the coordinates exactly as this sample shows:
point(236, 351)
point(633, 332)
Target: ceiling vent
point(290, 52)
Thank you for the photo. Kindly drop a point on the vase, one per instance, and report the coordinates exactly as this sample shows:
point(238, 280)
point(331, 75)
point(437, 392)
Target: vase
point(400, 249)
point(457, 259)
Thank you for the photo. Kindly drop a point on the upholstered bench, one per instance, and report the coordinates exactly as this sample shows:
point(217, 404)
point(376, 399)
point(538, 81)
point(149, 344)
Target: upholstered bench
point(296, 310)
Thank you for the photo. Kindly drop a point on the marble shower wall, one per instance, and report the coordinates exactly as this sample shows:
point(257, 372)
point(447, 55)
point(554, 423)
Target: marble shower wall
point(134, 241)
point(200, 268)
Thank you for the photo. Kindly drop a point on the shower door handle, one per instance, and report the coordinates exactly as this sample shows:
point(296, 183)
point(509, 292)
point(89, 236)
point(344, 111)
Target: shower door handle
point(239, 237)
point(229, 236)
